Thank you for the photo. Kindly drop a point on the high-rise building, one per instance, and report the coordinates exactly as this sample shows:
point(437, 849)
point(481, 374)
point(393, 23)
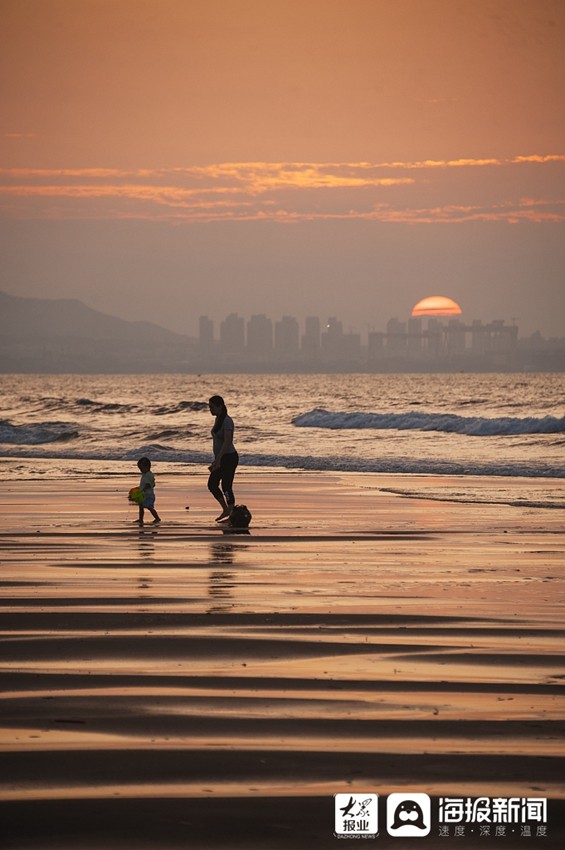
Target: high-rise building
point(455, 336)
point(206, 333)
point(287, 336)
point(479, 337)
point(414, 341)
point(259, 336)
point(375, 346)
point(434, 337)
point(503, 337)
point(332, 337)
point(311, 337)
point(338, 345)
point(232, 334)
point(396, 336)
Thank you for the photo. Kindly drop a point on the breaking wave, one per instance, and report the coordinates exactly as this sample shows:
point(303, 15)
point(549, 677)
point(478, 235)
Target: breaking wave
point(103, 407)
point(475, 426)
point(32, 435)
point(90, 406)
point(180, 407)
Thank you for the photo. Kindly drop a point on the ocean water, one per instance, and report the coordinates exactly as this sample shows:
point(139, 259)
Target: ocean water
point(509, 427)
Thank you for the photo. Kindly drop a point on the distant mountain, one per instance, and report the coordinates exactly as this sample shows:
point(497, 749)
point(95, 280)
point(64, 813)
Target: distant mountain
point(44, 335)
point(69, 317)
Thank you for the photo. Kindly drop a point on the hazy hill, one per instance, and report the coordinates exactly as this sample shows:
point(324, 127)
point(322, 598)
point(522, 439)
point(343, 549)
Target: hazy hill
point(24, 317)
point(44, 335)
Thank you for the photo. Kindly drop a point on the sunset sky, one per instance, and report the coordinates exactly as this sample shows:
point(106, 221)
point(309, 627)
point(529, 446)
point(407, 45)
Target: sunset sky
point(162, 159)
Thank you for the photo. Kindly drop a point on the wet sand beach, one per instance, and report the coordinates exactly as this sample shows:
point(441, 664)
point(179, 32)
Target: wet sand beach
point(182, 686)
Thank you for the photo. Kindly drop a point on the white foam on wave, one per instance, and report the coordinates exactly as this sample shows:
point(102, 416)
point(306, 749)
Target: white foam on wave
point(46, 432)
point(401, 465)
point(448, 423)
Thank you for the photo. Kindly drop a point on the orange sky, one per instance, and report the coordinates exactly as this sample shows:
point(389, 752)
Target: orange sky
point(158, 83)
point(343, 113)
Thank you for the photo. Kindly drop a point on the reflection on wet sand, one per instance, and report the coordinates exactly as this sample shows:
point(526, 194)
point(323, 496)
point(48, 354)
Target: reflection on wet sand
point(147, 538)
point(222, 582)
point(182, 688)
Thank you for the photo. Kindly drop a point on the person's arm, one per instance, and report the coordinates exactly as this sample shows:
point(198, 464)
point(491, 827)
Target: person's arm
point(147, 484)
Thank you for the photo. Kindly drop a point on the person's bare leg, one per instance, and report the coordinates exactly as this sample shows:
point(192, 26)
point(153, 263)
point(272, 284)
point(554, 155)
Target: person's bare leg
point(225, 509)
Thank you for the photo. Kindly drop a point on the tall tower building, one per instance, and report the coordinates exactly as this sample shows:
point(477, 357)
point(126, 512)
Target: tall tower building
point(232, 334)
point(287, 336)
point(312, 336)
point(206, 333)
point(259, 336)
point(396, 336)
point(332, 337)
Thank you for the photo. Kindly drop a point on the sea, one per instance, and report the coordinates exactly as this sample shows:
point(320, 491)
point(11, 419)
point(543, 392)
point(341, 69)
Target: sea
point(447, 430)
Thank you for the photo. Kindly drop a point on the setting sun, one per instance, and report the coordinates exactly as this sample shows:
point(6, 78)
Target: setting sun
point(436, 305)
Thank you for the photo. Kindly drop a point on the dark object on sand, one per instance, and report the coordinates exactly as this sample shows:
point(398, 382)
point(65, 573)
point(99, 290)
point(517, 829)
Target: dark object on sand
point(240, 517)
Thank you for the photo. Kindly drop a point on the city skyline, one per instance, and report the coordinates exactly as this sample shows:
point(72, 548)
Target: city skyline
point(301, 329)
point(50, 336)
point(419, 342)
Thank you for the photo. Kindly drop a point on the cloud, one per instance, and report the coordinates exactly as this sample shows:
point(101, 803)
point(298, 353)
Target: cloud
point(435, 191)
point(524, 210)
